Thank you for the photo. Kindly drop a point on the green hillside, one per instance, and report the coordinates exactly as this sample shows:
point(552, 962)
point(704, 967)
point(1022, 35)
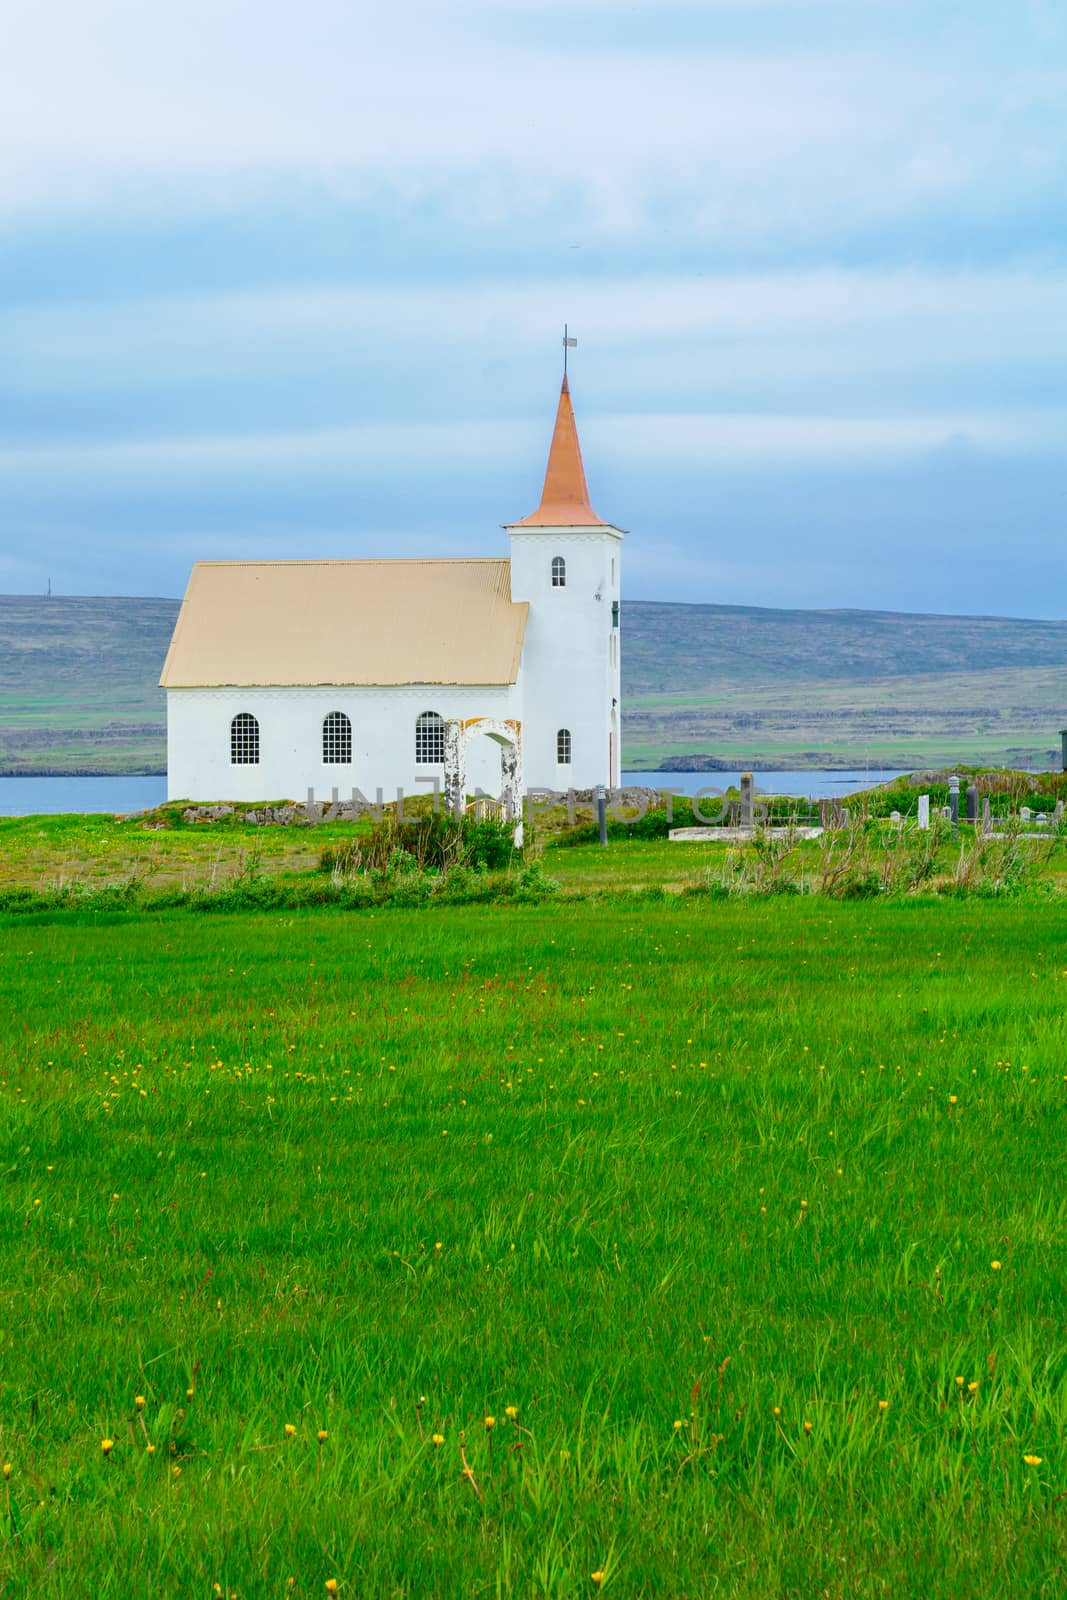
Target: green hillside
point(703, 685)
point(742, 685)
point(78, 683)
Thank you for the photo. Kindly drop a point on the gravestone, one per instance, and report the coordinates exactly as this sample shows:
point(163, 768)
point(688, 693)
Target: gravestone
point(747, 817)
point(972, 802)
point(846, 817)
point(894, 816)
point(924, 811)
point(837, 818)
point(954, 800)
point(1057, 815)
point(1025, 813)
point(987, 815)
point(946, 812)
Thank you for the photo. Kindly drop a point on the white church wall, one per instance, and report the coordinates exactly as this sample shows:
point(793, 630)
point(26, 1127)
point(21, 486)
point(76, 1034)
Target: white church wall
point(570, 667)
point(290, 740)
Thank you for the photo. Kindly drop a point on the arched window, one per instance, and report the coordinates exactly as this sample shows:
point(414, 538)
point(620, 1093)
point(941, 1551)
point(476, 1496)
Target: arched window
point(563, 747)
point(336, 739)
point(244, 740)
point(429, 739)
point(559, 573)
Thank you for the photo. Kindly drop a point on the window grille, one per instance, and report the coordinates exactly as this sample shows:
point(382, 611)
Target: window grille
point(244, 740)
point(429, 739)
point(559, 573)
point(337, 739)
point(563, 747)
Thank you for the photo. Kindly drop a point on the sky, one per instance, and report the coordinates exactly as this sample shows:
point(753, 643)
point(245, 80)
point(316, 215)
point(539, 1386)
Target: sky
point(288, 281)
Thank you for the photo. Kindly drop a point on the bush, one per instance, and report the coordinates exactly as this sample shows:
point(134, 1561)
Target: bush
point(436, 842)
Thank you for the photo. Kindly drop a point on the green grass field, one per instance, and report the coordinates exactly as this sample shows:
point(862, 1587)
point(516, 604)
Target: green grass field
point(743, 1223)
point(152, 858)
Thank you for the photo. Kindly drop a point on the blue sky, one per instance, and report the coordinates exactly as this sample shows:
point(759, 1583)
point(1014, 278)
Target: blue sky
point(289, 281)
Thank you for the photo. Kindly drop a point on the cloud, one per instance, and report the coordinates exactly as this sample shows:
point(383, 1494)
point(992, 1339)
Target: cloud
point(113, 103)
point(371, 451)
point(874, 344)
point(261, 263)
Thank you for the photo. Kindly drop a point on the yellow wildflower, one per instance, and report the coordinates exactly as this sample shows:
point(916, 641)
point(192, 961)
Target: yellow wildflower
point(331, 1585)
point(883, 1405)
point(1033, 1461)
point(490, 1422)
point(107, 1445)
point(511, 1412)
point(290, 1429)
point(7, 1469)
point(138, 1401)
point(322, 1436)
point(995, 1265)
point(437, 1439)
point(597, 1577)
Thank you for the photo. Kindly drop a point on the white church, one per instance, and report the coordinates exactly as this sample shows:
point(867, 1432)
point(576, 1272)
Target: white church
point(420, 675)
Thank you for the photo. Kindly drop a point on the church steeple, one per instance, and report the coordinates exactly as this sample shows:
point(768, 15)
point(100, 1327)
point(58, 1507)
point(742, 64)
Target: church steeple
point(565, 496)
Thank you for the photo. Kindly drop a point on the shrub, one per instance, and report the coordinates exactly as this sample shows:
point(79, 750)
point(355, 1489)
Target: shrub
point(435, 842)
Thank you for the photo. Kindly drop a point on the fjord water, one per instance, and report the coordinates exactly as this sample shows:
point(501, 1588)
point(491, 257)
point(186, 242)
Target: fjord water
point(29, 797)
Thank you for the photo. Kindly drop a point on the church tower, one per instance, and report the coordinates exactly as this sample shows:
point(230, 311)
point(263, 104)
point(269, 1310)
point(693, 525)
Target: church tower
point(566, 562)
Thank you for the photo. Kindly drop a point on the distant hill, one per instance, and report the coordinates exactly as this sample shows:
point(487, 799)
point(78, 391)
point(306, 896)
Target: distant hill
point(703, 686)
point(78, 684)
point(744, 685)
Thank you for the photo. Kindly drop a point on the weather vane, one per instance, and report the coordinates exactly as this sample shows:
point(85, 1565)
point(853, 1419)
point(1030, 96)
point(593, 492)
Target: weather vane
point(568, 344)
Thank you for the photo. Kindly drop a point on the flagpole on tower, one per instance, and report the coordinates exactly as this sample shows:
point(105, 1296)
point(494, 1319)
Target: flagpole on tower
point(568, 344)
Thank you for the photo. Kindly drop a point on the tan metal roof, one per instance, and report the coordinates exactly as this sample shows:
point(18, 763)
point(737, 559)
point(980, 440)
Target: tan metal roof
point(270, 623)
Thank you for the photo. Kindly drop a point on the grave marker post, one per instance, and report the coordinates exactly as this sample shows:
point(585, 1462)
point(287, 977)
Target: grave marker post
point(747, 817)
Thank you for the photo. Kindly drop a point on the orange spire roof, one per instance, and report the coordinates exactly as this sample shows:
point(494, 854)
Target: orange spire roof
point(565, 497)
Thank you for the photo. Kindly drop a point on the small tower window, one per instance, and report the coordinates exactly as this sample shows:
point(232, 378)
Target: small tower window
point(244, 740)
point(563, 747)
point(337, 739)
point(559, 573)
point(429, 739)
